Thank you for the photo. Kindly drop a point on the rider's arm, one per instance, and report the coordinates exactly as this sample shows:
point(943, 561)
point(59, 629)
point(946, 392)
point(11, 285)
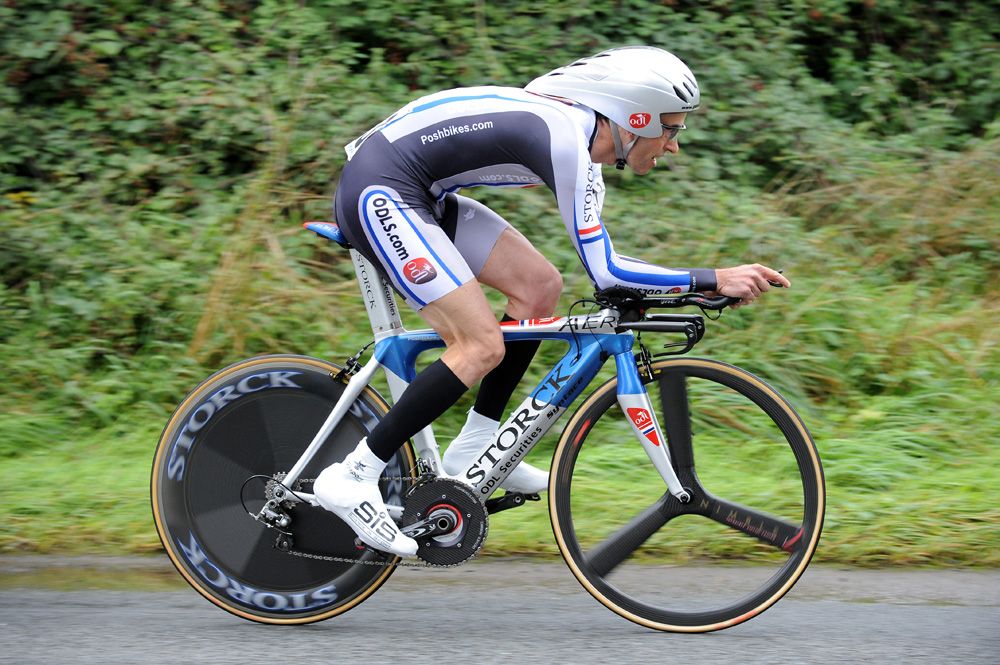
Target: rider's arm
point(579, 189)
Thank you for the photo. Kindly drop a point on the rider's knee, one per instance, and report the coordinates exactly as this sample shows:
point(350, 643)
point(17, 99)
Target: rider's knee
point(491, 351)
point(550, 289)
point(482, 352)
point(541, 290)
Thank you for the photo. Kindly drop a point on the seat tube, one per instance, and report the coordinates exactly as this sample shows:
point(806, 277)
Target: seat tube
point(638, 409)
point(383, 313)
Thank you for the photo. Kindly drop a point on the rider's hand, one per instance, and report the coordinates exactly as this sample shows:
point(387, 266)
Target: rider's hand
point(747, 282)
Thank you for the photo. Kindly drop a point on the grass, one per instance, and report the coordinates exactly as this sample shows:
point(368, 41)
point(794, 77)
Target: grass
point(901, 491)
point(888, 504)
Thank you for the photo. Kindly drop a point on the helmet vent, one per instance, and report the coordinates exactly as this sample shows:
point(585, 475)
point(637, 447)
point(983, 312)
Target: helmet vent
point(680, 93)
point(688, 88)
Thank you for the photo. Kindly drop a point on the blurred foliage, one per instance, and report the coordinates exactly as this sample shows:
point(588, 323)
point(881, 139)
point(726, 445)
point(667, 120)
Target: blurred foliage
point(158, 157)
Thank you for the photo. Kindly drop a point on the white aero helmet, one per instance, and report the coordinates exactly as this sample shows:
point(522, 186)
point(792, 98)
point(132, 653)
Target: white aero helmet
point(631, 86)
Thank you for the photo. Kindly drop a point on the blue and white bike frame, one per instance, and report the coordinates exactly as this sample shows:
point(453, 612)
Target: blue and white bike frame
point(592, 339)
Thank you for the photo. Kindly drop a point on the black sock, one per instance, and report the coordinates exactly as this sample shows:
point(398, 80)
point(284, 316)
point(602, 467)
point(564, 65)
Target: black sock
point(497, 386)
point(431, 393)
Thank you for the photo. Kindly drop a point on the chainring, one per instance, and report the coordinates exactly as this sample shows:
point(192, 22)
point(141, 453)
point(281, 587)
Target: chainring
point(445, 496)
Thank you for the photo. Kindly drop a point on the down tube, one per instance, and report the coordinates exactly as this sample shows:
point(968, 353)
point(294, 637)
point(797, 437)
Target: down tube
point(529, 422)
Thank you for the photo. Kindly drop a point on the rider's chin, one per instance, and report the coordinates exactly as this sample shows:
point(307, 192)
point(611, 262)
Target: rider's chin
point(643, 169)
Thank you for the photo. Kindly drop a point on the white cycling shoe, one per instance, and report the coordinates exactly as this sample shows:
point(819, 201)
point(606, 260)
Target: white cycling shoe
point(479, 429)
point(349, 489)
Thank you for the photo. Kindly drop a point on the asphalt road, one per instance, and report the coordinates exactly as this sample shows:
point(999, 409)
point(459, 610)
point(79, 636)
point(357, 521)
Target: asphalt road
point(491, 611)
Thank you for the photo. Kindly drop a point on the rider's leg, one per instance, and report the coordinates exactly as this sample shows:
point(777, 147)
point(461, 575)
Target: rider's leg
point(532, 286)
point(474, 346)
point(410, 237)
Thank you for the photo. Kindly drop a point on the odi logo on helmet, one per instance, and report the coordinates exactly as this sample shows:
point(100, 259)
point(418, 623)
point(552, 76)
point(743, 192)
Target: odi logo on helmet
point(419, 271)
point(639, 120)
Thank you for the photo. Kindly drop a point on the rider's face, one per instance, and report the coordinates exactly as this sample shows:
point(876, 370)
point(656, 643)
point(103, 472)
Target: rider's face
point(643, 155)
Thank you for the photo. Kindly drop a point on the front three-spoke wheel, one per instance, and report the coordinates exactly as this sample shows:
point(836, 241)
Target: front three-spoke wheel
point(731, 552)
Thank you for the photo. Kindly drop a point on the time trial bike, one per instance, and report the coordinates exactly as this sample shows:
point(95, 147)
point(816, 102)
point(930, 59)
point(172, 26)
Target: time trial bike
point(685, 494)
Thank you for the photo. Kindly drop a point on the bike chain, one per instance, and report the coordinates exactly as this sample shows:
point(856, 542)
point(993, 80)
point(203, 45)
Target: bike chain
point(382, 564)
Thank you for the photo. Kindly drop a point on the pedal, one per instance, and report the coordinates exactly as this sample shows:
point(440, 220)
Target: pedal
point(508, 501)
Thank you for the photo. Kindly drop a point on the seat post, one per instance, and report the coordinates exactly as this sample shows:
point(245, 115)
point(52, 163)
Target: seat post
point(379, 299)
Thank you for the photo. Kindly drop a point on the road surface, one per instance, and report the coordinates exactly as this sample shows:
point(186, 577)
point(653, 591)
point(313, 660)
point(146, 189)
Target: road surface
point(136, 610)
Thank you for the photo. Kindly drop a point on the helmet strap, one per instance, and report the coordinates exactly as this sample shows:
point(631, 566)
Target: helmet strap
point(621, 151)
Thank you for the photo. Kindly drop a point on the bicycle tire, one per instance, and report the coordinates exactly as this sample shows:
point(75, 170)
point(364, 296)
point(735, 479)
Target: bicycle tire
point(255, 417)
point(711, 563)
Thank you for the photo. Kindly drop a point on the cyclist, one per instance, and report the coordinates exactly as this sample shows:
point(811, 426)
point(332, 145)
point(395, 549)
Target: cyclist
point(396, 204)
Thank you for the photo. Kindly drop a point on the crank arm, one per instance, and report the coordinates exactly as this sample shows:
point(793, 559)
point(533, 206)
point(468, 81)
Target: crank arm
point(430, 526)
point(508, 501)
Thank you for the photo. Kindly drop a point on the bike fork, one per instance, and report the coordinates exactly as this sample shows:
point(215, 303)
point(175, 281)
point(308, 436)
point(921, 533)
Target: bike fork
point(637, 407)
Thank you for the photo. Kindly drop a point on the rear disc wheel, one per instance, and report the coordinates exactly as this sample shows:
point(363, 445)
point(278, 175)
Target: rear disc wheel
point(255, 418)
